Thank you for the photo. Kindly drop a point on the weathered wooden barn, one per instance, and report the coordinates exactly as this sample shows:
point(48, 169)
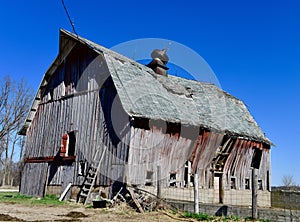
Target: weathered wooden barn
point(95, 102)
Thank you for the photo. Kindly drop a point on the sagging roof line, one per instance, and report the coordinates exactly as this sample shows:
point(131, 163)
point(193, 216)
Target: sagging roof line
point(203, 103)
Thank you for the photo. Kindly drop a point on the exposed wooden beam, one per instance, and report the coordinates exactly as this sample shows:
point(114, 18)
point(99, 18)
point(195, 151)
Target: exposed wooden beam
point(49, 159)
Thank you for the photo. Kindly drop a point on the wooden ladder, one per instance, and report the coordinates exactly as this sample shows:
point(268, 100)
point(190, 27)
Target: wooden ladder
point(90, 178)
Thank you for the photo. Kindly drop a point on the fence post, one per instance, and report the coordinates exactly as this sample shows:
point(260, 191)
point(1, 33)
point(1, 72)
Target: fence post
point(159, 182)
point(254, 194)
point(196, 194)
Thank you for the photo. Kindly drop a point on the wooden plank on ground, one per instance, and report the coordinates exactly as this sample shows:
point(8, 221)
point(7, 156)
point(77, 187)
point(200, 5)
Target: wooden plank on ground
point(135, 200)
point(62, 196)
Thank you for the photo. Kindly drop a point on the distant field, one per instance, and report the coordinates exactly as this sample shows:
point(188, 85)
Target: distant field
point(285, 200)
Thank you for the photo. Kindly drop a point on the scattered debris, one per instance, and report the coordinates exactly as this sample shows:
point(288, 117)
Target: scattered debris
point(137, 203)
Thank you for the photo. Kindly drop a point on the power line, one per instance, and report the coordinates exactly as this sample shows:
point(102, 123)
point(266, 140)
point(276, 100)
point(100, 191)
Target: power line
point(70, 20)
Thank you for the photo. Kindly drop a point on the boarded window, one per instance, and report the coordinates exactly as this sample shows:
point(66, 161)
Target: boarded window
point(149, 178)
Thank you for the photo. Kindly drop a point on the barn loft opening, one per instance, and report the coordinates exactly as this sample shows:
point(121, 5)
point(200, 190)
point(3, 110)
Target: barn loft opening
point(72, 142)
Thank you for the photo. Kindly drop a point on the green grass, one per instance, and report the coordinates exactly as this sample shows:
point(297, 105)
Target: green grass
point(199, 216)
point(24, 199)
point(206, 217)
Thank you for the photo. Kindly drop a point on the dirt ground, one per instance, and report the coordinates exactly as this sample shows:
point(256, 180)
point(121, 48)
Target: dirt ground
point(21, 212)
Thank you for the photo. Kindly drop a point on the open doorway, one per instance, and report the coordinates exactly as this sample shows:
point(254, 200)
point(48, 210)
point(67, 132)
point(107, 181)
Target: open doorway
point(188, 177)
point(72, 143)
point(218, 188)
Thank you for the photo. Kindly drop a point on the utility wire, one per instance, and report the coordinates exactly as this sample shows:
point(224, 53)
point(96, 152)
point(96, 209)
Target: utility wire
point(70, 20)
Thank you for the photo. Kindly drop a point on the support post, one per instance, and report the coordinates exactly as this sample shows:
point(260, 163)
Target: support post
point(159, 182)
point(221, 189)
point(189, 173)
point(254, 193)
point(196, 194)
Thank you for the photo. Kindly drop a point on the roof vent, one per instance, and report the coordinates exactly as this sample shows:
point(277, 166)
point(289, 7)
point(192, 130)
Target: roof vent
point(159, 61)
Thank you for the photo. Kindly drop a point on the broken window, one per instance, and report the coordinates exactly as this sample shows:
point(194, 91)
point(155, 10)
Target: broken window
point(247, 184)
point(149, 178)
point(232, 183)
point(173, 180)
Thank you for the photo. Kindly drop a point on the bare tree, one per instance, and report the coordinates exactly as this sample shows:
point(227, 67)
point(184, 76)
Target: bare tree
point(15, 101)
point(288, 181)
point(14, 104)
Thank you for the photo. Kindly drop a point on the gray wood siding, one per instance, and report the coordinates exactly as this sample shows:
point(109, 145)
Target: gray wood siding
point(84, 100)
point(33, 179)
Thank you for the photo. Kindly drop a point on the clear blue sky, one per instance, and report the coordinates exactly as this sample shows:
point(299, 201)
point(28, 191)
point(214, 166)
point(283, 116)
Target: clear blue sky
point(252, 46)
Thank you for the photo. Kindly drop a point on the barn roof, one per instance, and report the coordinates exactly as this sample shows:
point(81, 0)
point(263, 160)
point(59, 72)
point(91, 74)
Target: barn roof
point(144, 93)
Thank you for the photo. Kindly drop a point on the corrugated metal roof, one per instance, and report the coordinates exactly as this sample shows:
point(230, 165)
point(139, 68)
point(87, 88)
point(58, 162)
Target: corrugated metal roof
point(146, 94)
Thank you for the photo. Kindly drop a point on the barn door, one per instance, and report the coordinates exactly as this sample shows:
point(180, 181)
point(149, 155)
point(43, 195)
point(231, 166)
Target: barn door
point(31, 184)
point(68, 177)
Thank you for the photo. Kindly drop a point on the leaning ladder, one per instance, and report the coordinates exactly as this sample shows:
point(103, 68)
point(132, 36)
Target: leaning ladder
point(90, 178)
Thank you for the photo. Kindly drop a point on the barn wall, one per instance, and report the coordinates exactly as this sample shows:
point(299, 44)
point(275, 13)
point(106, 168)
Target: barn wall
point(238, 165)
point(152, 147)
point(80, 97)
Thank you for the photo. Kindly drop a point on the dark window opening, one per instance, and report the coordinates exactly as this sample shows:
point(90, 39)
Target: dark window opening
point(247, 184)
point(173, 180)
point(173, 129)
point(260, 185)
point(232, 183)
point(256, 158)
point(141, 123)
point(72, 142)
point(158, 125)
point(81, 168)
point(187, 174)
point(149, 178)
